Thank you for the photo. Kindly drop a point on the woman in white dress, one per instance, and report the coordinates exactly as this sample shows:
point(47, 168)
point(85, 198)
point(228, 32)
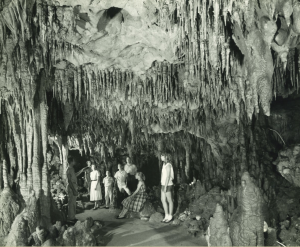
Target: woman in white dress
point(95, 191)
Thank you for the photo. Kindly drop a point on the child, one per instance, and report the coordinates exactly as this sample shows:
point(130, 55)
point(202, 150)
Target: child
point(121, 177)
point(95, 191)
point(167, 176)
point(108, 184)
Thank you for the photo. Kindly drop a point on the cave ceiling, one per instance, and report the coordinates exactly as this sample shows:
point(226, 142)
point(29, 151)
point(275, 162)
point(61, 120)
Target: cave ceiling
point(149, 66)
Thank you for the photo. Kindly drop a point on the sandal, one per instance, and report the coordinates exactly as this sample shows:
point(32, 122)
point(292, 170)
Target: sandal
point(168, 220)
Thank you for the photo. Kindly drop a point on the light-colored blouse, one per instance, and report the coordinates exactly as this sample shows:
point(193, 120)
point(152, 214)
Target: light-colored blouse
point(164, 174)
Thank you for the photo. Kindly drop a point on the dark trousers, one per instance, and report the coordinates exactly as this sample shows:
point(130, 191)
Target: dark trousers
point(132, 183)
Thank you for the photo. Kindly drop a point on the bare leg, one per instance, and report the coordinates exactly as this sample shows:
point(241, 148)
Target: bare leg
point(164, 202)
point(170, 202)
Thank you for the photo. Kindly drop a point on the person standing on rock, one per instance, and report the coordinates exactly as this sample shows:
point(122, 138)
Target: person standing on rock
point(71, 189)
point(167, 176)
point(95, 191)
point(131, 171)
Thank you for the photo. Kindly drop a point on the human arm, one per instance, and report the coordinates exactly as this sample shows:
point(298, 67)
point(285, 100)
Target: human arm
point(98, 179)
point(137, 189)
point(81, 171)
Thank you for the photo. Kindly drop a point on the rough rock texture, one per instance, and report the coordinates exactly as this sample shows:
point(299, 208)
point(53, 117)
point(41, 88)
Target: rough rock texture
point(205, 205)
point(10, 205)
point(289, 232)
point(25, 223)
point(288, 164)
point(81, 234)
point(147, 210)
point(247, 223)
point(156, 218)
point(218, 229)
point(9, 209)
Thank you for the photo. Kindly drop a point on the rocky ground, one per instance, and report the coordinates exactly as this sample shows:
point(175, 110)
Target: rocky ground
point(134, 231)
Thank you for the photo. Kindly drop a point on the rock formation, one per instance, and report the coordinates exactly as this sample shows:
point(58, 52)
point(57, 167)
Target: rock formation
point(246, 226)
point(218, 229)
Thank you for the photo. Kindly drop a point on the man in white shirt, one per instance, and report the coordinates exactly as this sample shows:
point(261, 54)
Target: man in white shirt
point(121, 177)
point(131, 170)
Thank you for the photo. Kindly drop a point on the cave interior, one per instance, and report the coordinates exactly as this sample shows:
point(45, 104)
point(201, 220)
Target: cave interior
point(213, 83)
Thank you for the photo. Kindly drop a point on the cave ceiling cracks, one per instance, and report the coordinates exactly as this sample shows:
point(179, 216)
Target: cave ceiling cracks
point(152, 66)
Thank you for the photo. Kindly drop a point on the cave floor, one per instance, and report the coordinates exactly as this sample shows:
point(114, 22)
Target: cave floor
point(136, 232)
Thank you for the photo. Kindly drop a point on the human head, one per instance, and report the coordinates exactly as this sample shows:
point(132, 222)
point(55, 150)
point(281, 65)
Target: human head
point(71, 161)
point(120, 167)
point(140, 175)
point(108, 173)
point(93, 166)
point(128, 159)
point(88, 163)
point(165, 157)
point(162, 157)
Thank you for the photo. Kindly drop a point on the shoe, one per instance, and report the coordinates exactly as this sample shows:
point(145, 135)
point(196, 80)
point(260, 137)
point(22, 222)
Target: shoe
point(106, 207)
point(164, 220)
point(169, 220)
point(118, 217)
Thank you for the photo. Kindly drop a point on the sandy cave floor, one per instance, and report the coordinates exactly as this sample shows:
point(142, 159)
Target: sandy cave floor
point(136, 232)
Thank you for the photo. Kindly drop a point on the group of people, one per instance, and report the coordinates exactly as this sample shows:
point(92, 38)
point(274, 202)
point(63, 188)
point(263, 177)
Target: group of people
point(129, 182)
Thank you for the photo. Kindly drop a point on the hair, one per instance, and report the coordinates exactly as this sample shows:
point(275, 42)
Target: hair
point(108, 172)
point(141, 175)
point(167, 157)
point(70, 159)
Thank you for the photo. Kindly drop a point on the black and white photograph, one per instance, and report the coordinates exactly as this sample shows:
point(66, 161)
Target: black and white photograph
point(150, 123)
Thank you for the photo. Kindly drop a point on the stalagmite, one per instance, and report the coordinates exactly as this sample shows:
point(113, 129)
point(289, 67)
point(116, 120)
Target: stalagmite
point(64, 159)
point(29, 142)
point(36, 169)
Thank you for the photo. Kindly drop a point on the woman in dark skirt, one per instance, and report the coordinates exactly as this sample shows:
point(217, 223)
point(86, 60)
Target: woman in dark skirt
point(131, 171)
point(136, 201)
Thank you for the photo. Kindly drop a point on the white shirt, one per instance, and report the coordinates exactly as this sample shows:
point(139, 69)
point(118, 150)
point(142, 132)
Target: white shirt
point(121, 178)
point(131, 169)
point(164, 174)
